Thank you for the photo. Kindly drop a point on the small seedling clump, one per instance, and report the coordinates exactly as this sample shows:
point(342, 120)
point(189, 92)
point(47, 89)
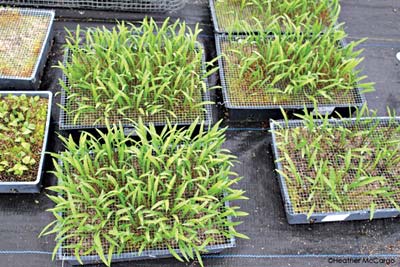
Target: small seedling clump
point(153, 72)
point(341, 165)
point(21, 40)
point(22, 126)
point(270, 15)
point(157, 191)
point(291, 69)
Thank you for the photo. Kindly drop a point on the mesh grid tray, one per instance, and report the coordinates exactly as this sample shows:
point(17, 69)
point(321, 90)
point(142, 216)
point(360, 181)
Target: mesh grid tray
point(31, 187)
point(161, 251)
point(130, 254)
point(66, 123)
point(240, 108)
point(301, 218)
point(220, 21)
point(123, 5)
point(19, 48)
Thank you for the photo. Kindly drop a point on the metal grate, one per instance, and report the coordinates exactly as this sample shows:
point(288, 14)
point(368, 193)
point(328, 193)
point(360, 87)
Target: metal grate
point(357, 205)
point(127, 5)
point(229, 16)
point(159, 119)
point(237, 94)
point(24, 37)
point(159, 250)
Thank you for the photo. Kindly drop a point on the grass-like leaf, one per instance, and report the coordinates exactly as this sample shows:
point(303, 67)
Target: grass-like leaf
point(161, 188)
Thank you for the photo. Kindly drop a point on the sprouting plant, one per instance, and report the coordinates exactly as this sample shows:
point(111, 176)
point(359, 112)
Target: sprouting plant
point(285, 69)
point(117, 193)
point(341, 165)
point(22, 124)
point(149, 71)
point(271, 15)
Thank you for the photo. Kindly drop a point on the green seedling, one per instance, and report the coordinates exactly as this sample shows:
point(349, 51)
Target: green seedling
point(341, 165)
point(271, 15)
point(22, 125)
point(117, 193)
point(148, 71)
point(292, 69)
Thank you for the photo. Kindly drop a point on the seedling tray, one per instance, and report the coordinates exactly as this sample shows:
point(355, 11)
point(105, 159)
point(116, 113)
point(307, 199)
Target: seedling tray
point(123, 5)
point(159, 252)
point(31, 187)
point(66, 123)
point(25, 58)
point(156, 253)
point(301, 218)
point(220, 21)
point(241, 110)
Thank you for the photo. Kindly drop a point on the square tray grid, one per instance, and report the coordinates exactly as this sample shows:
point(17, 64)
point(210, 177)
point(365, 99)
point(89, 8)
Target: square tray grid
point(157, 251)
point(25, 39)
point(124, 5)
point(222, 20)
point(264, 100)
point(159, 119)
point(131, 253)
point(352, 212)
point(34, 186)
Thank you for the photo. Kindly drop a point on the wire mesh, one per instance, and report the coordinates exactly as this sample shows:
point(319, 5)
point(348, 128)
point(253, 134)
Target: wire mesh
point(23, 36)
point(357, 201)
point(238, 94)
point(127, 5)
point(131, 251)
point(231, 16)
point(91, 119)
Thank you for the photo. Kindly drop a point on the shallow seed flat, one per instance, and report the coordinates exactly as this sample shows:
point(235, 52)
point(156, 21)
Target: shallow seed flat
point(21, 40)
point(239, 93)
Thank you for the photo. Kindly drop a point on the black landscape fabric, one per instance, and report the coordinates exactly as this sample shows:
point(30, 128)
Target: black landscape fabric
point(273, 242)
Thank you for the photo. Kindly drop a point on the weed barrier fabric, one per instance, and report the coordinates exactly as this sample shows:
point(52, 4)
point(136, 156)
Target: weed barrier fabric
point(267, 226)
point(123, 5)
point(272, 239)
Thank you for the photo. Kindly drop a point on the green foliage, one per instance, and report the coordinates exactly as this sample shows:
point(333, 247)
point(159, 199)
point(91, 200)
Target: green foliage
point(118, 193)
point(134, 71)
point(22, 124)
point(282, 68)
point(351, 165)
point(271, 15)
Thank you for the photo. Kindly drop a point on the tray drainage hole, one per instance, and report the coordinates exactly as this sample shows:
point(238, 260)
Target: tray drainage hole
point(13, 190)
